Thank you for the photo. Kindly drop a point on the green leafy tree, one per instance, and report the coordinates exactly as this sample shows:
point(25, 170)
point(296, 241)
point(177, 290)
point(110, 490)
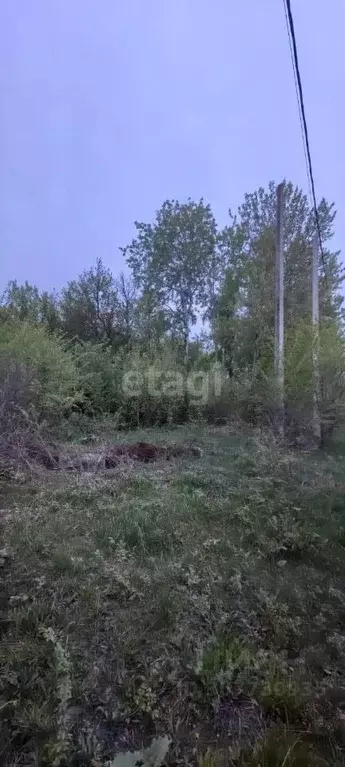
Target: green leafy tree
point(90, 307)
point(248, 245)
point(26, 303)
point(226, 321)
point(151, 322)
point(50, 311)
point(22, 301)
point(127, 307)
point(171, 260)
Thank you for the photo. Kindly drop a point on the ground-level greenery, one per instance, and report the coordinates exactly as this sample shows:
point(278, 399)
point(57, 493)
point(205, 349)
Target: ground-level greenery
point(199, 599)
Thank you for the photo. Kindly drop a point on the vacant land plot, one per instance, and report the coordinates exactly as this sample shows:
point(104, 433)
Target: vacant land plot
point(202, 600)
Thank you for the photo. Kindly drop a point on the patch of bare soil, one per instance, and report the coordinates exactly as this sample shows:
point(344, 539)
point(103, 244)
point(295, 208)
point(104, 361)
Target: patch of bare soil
point(148, 453)
point(117, 455)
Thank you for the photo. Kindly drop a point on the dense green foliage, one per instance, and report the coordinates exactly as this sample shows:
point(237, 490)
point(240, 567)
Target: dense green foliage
point(55, 385)
point(186, 272)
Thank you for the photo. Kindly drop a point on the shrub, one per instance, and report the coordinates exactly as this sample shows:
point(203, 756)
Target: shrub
point(299, 385)
point(136, 385)
point(99, 371)
point(23, 440)
point(52, 380)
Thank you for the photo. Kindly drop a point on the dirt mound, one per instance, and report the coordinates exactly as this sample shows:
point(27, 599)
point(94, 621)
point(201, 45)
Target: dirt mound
point(147, 453)
point(44, 454)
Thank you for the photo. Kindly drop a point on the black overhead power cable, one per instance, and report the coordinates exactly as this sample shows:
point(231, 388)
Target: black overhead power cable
point(298, 82)
point(298, 102)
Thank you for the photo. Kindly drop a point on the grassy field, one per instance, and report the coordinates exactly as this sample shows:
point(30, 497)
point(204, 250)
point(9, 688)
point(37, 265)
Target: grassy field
point(199, 599)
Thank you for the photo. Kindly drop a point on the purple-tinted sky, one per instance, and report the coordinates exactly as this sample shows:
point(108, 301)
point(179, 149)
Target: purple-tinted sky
point(111, 106)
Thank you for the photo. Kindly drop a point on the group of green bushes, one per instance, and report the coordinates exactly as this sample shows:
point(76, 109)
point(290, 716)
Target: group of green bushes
point(60, 377)
point(56, 377)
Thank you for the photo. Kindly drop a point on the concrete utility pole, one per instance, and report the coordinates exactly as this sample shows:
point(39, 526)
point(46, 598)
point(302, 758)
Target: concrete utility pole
point(279, 310)
point(316, 341)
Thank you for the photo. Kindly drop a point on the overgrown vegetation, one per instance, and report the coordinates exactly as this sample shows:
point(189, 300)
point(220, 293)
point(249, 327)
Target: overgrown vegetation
point(123, 345)
point(202, 601)
point(175, 611)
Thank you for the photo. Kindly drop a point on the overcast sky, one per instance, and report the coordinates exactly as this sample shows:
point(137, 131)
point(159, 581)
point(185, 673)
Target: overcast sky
point(111, 106)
